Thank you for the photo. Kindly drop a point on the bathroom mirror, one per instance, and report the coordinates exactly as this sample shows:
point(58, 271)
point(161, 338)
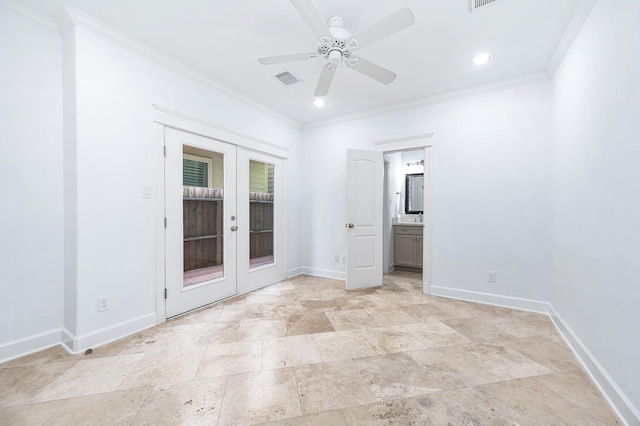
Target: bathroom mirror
point(414, 192)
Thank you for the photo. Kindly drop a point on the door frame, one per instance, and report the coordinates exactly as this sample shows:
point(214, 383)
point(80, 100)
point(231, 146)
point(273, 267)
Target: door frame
point(165, 117)
point(408, 143)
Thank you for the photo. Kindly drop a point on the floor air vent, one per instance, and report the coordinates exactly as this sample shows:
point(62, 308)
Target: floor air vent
point(287, 78)
point(477, 4)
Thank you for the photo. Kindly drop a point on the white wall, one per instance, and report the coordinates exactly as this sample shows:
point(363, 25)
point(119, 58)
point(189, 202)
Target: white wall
point(596, 198)
point(31, 210)
point(490, 188)
point(116, 156)
point(392, 204)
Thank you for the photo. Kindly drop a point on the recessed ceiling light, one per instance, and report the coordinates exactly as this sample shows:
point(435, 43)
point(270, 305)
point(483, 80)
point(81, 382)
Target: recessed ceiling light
point(481, 59)
point(319, 103)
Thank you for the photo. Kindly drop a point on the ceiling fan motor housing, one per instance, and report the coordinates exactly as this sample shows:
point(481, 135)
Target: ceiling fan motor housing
point(340, 44)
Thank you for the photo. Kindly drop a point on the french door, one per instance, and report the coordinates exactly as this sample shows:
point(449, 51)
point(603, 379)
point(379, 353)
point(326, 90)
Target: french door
point(224, 220)
point(261, 219)
point(200, 210)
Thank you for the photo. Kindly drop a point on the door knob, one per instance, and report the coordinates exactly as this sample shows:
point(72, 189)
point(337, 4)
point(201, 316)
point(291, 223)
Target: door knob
point(350, 226)
point(234, 228)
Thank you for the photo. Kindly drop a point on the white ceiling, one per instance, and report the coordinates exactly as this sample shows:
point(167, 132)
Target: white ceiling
point(223, 39)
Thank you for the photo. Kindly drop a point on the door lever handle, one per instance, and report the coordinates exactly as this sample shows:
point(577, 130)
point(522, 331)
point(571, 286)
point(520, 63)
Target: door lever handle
point(234, 228)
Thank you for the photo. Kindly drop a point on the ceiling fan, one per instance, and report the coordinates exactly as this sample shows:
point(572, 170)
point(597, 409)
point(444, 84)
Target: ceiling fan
point(336, 44)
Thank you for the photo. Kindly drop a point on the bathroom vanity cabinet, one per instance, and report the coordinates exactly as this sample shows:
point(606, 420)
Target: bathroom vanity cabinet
point(407, 245)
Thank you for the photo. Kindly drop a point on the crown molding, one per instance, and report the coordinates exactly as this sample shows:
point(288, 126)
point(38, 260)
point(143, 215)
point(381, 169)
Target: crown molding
point(437, 99)
point(573, 29)
point(82, 20)
point(64, 22)
point(29, 15)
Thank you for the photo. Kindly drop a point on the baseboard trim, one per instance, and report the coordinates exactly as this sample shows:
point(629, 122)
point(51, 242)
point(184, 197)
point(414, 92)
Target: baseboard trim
point(491, 299)
point(28, 345)
point(324, 273)
point(294, 272)
point(78, 344)
point(620, 403)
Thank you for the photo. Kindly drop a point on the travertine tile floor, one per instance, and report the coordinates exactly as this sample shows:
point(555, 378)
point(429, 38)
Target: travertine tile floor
point(306, 352)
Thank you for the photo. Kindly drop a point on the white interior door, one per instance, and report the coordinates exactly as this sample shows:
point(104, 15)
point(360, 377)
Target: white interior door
point(365, 170)
point(200, 210)
point(261, 257)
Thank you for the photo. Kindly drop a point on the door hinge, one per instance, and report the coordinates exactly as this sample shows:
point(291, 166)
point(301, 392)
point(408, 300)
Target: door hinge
point(165, 222)
point(165, 150)
point(165, 293)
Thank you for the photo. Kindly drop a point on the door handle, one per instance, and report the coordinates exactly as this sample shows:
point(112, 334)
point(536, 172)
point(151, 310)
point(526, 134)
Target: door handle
point(350, 226)
point(234, 228)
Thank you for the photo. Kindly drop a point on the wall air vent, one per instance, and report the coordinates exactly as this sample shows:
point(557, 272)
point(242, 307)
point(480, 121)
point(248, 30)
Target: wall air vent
point(477, 4)
point(287, 78)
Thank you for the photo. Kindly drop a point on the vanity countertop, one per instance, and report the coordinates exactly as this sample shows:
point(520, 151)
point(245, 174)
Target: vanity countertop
point(420, 224)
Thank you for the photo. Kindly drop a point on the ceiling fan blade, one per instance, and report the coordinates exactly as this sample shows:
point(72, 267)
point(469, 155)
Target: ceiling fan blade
point(326, 76)
point(268, 60)
point(372, 70)
point(310, 13)
point(393, 23)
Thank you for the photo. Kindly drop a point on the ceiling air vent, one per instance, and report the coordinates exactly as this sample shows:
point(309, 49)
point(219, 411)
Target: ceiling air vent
point(477, 4)
point(287, 78)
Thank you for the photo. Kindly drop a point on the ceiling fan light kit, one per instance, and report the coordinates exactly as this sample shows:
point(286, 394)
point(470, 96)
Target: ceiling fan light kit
point(336, 44)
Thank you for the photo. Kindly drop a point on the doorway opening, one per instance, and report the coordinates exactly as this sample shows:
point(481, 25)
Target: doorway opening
point(378, 231)
point(404, 211)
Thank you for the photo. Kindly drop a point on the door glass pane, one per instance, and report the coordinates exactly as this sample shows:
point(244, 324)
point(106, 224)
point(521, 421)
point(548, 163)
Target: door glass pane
point(202, 209)
point(261, 202)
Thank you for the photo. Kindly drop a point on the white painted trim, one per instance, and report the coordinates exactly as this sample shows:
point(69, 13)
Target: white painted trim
point(285, 215)
point(427, 232)
point(620, 403)
point(324, 273)
point(522, 80)
point(99, 28)
point(404, 139)
point(28, 345)
point(78, 344)
point(29, 15)
point(294, 272)
point(200, 127)
point(491, 299)
point(573, 29)
point(67, 339)
point(158, 179)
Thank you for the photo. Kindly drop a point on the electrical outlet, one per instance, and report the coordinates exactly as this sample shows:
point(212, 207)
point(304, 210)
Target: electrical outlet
point(146, 192)
point(103, 303)
point(337, 258)
point(344, 259)
point(491, 276)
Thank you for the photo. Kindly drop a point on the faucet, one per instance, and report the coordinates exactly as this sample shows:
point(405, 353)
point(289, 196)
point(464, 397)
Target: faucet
point(420, 217)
